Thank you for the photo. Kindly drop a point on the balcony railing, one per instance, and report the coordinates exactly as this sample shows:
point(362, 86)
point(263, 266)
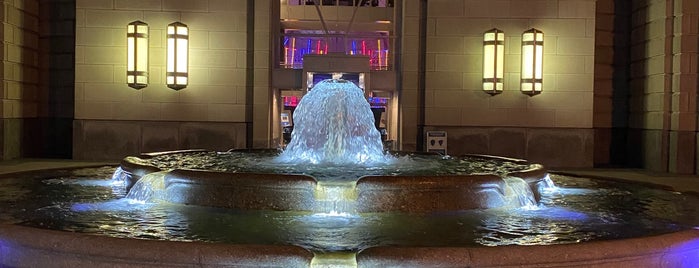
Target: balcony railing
point(377, 46)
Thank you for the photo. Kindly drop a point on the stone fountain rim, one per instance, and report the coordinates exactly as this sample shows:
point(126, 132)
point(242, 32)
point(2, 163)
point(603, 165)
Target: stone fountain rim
point(29, 246)
point(21, 245)
point(131, 164)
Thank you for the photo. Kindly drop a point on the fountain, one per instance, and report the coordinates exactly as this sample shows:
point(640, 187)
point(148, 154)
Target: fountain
point(335, 198)
point(335, 159)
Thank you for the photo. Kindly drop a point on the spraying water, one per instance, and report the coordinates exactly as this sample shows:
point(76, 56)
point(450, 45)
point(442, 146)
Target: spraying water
point(333, 124)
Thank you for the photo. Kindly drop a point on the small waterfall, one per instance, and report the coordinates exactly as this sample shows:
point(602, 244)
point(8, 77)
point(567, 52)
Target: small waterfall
point(149, 188)
point(519, 194)
point(334, 260)
point(336, 198)
point(546, 185)
point(120, 177)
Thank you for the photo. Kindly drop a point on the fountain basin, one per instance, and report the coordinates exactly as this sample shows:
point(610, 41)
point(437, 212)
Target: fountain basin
point(32, 247)
point(299, 192)
point(680, 249)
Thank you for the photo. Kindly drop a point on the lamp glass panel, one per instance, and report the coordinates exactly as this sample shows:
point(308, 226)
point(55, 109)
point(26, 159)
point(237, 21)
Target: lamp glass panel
point(538, 61)
point(500, 61)
point(527, 62)
point(131, 53)
point(181, 55)
point(170, 55)
point(142, 57)
point(489, 61)
point(181, 30)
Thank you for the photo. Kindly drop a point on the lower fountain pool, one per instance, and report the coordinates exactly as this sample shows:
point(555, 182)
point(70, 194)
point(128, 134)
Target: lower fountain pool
point(87, 200)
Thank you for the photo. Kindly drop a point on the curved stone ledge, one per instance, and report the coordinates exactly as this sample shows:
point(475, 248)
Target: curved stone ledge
point(414, 194)
point(240, 190)
point(136, 167)
point(679, 249)
point(31, 247)
point(429, 193)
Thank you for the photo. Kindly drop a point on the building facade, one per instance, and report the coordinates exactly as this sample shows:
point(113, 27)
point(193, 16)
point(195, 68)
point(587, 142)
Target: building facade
point(619, 78)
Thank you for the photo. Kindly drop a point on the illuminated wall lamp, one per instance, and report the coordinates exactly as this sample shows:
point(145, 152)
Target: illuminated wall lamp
point(532, 62)
point(137, 54)
point(493, 61)
point(177, 52)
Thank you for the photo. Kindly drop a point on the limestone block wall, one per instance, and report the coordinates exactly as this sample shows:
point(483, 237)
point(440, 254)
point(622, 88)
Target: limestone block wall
point(19, 91)
point(663, 74)
point(562, 114)
point(650, 82)
point(685, 82)
point(157, 117)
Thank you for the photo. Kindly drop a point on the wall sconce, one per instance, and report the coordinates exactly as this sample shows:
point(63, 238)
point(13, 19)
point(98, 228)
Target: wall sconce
point(532, 61)
point(177, 53)
point(493, 59)
point(137, 54)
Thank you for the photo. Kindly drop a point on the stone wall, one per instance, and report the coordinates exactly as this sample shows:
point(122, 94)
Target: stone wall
point(650, 82)
point(454, 98)
point(685, 83)
point(218, 89)
point(663, 96)
point(19, 91)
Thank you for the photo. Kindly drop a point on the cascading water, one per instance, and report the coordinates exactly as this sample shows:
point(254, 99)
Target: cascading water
point(518, 193)
point(333, 124)
point(148, 188)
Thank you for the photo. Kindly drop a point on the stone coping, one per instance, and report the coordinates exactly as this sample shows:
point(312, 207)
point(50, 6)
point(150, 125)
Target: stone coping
point(372, 193)
point(25, 246)
point(680, 249)
point(32, 247)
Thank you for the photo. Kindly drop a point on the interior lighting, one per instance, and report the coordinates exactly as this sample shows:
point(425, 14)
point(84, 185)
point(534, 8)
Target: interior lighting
point(493, 61)
point(137, 54)
point(532, 62)
point(177, 52)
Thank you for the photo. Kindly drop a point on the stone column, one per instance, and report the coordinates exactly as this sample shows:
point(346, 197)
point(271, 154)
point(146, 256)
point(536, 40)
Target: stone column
point(409, 72)
point(683, 127)
point(259, 74)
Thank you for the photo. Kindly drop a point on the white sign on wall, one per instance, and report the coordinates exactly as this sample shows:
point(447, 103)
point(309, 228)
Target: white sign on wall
point(436, 142)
